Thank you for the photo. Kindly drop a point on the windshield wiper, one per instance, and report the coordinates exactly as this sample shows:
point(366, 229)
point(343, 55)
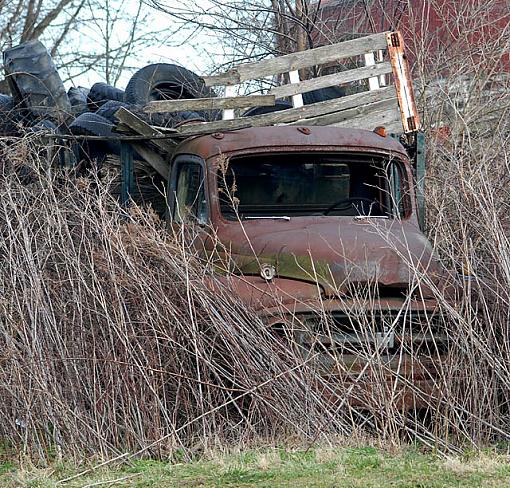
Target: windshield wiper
point(267, 217)
point(363, 217)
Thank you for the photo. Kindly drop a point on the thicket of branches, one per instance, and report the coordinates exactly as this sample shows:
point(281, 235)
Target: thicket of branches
point(114, 338)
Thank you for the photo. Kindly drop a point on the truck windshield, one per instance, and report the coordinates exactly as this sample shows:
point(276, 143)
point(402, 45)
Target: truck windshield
point(310, 184)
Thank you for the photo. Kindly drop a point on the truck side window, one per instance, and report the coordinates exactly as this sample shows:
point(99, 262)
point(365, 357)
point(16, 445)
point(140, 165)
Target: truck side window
point(190, 201)
point(398, 193)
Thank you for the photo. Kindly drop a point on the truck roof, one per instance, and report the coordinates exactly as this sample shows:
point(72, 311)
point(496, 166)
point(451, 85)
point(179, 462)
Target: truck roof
point(289, 138)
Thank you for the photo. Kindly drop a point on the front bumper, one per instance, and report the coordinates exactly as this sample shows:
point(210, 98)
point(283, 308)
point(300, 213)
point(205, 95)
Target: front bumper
point(372, 357)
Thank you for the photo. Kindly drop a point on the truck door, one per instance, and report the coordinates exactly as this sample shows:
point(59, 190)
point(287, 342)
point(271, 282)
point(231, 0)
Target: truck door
point(189, 209)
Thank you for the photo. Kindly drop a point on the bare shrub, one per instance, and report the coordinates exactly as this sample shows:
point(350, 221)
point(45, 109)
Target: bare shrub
point(466, 103)
point(114, 337)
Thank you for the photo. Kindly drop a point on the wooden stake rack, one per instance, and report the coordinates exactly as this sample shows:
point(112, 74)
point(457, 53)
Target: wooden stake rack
point(378, 72)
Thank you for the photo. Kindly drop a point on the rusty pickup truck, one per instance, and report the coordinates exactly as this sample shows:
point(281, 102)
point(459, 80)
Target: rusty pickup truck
point(303, 221)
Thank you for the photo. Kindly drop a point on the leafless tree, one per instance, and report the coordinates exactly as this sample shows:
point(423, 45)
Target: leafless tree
point(115, 33)
point(82, 35)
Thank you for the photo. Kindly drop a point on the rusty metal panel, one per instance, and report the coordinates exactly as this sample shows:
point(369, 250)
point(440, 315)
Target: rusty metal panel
point(287, 138)
point(403, 82)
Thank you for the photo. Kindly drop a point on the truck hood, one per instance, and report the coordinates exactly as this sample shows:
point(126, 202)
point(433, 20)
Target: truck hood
point(336, 252)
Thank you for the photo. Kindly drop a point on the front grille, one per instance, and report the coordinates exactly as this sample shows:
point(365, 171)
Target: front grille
point(387, 332)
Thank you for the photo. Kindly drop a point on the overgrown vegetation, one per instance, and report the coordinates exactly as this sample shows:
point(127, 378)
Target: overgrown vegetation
point(117, 342)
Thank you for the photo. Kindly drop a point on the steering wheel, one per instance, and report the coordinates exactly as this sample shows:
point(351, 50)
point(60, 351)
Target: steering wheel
point(349, 201)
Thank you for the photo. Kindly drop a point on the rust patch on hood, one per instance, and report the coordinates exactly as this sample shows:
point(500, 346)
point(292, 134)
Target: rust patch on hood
point(335, 253)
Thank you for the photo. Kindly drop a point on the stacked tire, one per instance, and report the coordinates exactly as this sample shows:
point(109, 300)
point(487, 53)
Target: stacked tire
point(34, 82)
point(38, 93)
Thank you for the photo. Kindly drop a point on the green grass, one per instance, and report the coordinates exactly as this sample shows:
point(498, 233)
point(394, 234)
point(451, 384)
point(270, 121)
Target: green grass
point(340, 467)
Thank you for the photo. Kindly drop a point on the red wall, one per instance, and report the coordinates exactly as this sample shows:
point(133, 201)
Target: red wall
point(435, 31)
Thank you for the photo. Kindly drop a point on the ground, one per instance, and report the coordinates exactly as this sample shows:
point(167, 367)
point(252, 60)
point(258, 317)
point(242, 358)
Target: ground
point(365, 467)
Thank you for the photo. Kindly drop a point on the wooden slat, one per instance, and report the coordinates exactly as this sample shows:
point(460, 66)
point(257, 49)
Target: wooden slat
point(290, 115)
point(299, 60)
point(210, 103)
point(139, 126)
point(230, 77)
point(365, 111)
point(153, 158)
point(331, 80)
point(387, 117)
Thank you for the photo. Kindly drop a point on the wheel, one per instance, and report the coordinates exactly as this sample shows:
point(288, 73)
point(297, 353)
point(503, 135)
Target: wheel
point(6, 103)
point(77, 95)
point(108, 109)
point(94, 152)
point(78, 98)
point(34, 80)
point(90, 124)
point(163, 81)
point(9, 116)
point(100, 93)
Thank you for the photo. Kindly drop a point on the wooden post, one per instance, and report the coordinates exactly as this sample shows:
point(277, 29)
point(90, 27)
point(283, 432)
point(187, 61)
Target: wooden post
point(126, 161)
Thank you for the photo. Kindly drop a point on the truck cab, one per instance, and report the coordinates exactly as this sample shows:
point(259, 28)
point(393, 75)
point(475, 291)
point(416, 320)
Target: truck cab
point(297, 219)
point(300, 222)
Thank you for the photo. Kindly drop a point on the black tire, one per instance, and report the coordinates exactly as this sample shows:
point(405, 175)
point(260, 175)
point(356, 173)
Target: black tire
point(164, 81)
point(34, 80)
point(6, 103)
point(323, 94)
point(100, 93)
point(90, 124)
point(78, 99)
point(279, 105)
point(77, 95)
point(9, 116)
point(108, 109)
point(93, 153)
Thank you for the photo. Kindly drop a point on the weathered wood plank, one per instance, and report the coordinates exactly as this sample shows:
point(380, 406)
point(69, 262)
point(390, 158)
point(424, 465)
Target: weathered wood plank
point(342, 116)
point(387, 117)
point(290, 115)
point(130, 120)
point(210, 103)
point(299, 60)
point(230, 77)
point(139, 126)
point(153, 158)
point(331, 80)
